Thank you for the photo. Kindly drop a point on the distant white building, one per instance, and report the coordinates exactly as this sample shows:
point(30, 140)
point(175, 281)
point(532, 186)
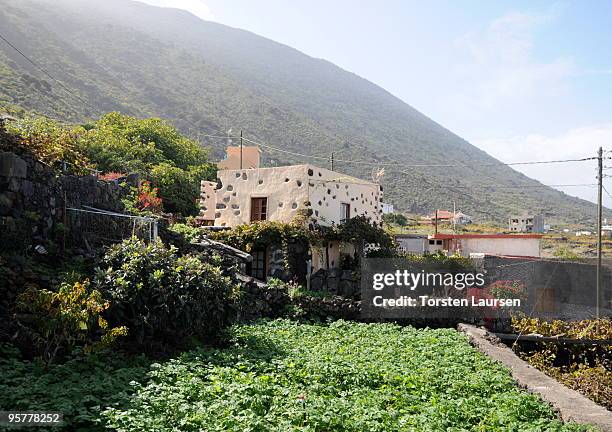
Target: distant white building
point(387, 208)
point(583, 233)
point(514, 245)
point(461, 218)
point(415, 244)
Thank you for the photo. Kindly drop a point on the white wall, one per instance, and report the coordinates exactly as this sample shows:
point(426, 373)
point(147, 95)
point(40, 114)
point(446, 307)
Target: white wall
point(328, 189)
point(501, 246)
point(412, 245)
point(284, 187)
point(291, 189)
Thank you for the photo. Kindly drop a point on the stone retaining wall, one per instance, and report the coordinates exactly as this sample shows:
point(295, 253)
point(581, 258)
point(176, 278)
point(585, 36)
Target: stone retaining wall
point(33, 198)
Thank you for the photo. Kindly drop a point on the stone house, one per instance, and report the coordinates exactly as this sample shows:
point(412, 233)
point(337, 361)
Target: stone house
point(242, 196)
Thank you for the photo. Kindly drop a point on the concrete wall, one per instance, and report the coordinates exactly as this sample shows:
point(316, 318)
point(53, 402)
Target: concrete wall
point(501, 246)
point(284, 187)
point(250, 158)
point(414, 244)
point(316, 191)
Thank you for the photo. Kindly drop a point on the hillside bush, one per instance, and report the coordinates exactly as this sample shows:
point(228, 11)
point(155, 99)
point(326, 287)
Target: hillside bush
point(58, 322)
point(118, 143)
point(164, 299)
point(51, 142)
point(177, 188)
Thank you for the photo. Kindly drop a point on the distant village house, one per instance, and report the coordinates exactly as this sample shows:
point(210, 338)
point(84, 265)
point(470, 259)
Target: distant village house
point(526, 223)
point(447, 217)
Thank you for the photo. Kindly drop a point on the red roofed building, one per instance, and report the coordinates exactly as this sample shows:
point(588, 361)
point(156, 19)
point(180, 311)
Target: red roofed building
point(512, 245)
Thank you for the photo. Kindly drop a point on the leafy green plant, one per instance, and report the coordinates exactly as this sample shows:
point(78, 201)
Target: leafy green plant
point(50, 142)
point(162, 297)
point(395, 219)
point(58, 322)
point(80, 388)
point(341, 376)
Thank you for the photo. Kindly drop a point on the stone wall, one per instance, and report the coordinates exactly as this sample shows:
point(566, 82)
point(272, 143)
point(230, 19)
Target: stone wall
point(340, 282)
point(33, 198)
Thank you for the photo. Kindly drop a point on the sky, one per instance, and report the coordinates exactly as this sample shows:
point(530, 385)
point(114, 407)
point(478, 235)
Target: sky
point(522, 80)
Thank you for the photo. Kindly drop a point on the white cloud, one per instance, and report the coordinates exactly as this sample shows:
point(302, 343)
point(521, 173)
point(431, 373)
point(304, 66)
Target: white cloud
point(497, 71)
point(197, 7)
point(572, 144)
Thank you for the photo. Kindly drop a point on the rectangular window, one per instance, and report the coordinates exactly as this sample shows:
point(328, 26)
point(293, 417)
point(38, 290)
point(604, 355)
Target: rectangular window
point(259, 209)
point(345, 212)
point(257, 267)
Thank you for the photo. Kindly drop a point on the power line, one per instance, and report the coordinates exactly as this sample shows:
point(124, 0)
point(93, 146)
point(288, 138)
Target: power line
point(413, 165)
point(526, 186)
point(606, 190)
point(43, 70)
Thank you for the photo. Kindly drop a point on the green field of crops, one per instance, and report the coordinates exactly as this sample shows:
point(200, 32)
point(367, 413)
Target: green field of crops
point(283, 376)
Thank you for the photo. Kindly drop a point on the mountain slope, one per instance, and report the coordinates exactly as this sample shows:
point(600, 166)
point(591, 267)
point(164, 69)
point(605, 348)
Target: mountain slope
point(208, 78)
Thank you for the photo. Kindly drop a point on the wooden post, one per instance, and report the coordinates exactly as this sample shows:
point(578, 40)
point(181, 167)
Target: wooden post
point(240, 148)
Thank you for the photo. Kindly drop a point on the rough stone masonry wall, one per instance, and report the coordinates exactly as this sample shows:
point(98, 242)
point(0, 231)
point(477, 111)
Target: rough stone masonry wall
point(32, 199)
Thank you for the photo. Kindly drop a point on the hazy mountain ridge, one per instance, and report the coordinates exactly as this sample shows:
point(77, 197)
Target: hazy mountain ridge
point(208, 78)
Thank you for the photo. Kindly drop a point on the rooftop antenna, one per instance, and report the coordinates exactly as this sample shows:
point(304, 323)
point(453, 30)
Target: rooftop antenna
point(377, 174)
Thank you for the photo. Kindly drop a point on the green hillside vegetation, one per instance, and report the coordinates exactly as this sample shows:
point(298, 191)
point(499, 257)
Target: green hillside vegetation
point(208, 78)
point(120, 145)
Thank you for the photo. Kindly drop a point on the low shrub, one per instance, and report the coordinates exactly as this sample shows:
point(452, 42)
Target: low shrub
point(585, 368)
point(58, 322)
point(163, 298)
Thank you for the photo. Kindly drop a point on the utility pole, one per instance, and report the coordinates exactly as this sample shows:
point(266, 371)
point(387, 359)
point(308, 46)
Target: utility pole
point(599, 215)
point(240, 148)
point(332, 161)
point(454, 217)
point(436, 224)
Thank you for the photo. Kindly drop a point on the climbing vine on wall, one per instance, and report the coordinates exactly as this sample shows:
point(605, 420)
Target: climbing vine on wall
point(357, 231)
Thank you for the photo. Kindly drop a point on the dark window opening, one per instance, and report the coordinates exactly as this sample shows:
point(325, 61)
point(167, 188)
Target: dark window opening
point(345, 212)
point(257, 267)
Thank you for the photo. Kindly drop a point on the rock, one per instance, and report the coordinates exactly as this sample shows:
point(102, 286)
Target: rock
point(7, 202)
point(12, 165)
point(316, 282)
point(332, 284)
point(346, 275)
point(346, 288)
